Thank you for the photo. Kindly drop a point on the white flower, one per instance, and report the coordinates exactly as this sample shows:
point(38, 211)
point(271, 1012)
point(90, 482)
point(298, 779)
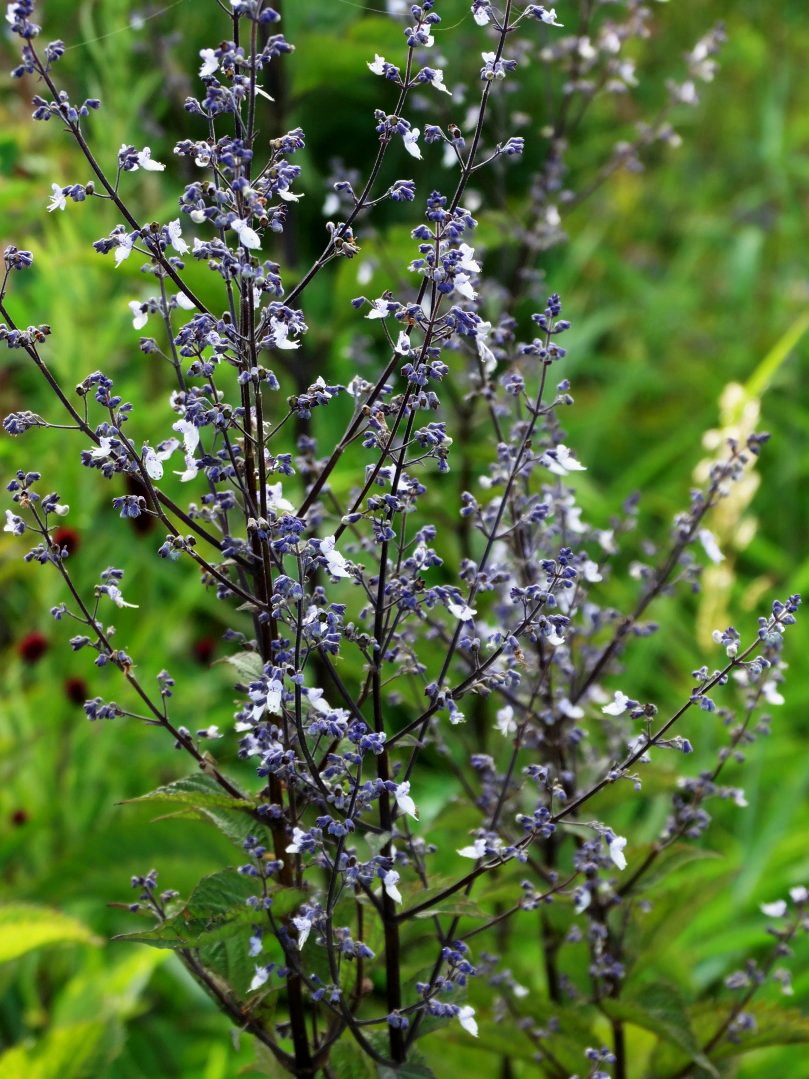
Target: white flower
point(799, 894)
point(280, 332)
point(183, 301)
point(390, 880)
point(276, 500)
point(190, 435)
point(404, 801)
point(468, 262)
point(151, 462)
point(124, 248)
point(572, 711)
point(769, 691)
point(590, 572)
point(549, 16)
point(463, 285)
point(336, 564)
point(379, 309)
point(476, 850)
point(481, 16)
point(103, 447)
point(462, 611)
point(247, 237)
point(259, 978)
point(14, 524)
point(560, 461)
point(466, 1017)
point(438, 81)
point(774, 910)
point(210, 62)
point(411, 142)
point(176, 236)
point(145, 161)
point(58, 199)
point(114, 592)
point(506, 723)
point(617, 706)
point(582, 898)
point(617, 844)
point(710, 545)
point(197, 216)
point(298, 835)
point(487, 357)
point(378, 66)
point(139, 316)
point(60, 510)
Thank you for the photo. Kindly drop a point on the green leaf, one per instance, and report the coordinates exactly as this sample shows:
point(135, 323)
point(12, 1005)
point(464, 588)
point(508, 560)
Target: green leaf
point(24, 928)
point(348, 1061)
point(216, 910)
point(406, 1071)
point(200, 796)
point(197, 790)
point(248, 665)
point(662, 1011)
point(79, 1051)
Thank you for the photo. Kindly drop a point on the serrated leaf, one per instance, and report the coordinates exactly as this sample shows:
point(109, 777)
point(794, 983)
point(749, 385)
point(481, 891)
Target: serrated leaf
point(662, 1011)
point(200, 796)
point(24, 927)
point(216, 910)
point(248, 665)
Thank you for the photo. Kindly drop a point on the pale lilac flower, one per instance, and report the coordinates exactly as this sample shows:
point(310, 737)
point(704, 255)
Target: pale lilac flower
point(466, 1017)
point(482, 15)
point(152, 464)
point(710, 545)
point(247, 237)
point(298, 836)
point(302, 924)
point(58, 199)
point(114, 592)
point(590, 572)
point(547, 15)
point(462, 611)
point(389, 881)
point(617, 844)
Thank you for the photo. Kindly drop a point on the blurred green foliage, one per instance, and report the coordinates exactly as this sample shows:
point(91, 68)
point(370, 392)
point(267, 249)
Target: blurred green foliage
point(678, 281)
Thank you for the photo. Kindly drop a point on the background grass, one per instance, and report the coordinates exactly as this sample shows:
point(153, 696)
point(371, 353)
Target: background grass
point(678, 281)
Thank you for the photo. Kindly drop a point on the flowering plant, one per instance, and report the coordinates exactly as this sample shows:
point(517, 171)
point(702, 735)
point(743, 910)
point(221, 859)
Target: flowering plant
point(390, 623)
